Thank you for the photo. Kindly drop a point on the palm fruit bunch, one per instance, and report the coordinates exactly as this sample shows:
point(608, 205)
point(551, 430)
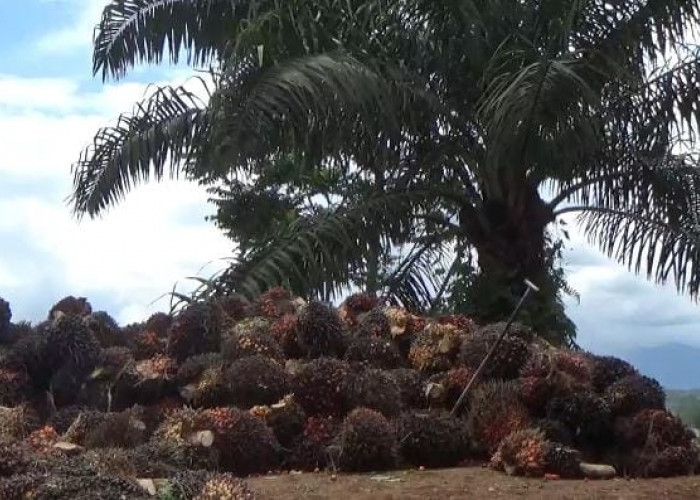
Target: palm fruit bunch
point(523, 453)
point(367, 442)
point(42, 440)
point(274, 304)
point(17, 423)
point(656, 428)
point(151, 379)
point(495, 411)
point(195, 330)
point(105, 329)
point(587, 416)
point(535, 393)
point(431, 438)
point(459, 321)
point(234, 308)
point(5, 322)
point(319, 386)
point(374, 351)
point(161, 458)
point(373, 389)
point(563, 461)
point(102, 388)
point(373, 323)
point(83, 424)
point(411, 385)
point(578, 365)
point(116, 430)
point(15, 458)
point(310, 450)
point(452, 383)
point(252, 337)
point(203, 485)
point(634, 393)
point(256, 380)
point(554, 431)
point(245, 444)
point(669, 462)
point(435, 348)
point(109, 461)
point(286, 418)
point(150, 338)
point(88, 486)
point(506, 361)
point(284, 331)
point(15, 386)
point(319, 330)
point(72, 353)
point(73, 306)
point(354, 306)
point(202, 380)
point(608, 369)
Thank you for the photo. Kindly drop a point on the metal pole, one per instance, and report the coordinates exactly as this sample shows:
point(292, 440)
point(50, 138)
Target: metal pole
point(530, 288)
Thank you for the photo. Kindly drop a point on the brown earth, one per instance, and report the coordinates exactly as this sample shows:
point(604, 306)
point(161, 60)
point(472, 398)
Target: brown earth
point(468, 482)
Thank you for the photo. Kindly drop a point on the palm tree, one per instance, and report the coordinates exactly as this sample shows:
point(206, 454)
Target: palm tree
point(479, 122)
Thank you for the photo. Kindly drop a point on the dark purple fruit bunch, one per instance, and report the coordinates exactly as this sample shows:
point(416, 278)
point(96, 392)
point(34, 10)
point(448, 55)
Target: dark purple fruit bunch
point(367, 442)
point(319, 386)
point(195, 330)
point(319, 330)
point(431, 438)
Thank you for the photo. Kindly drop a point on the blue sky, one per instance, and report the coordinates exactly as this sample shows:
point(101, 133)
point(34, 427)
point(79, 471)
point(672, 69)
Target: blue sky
point(50, 106)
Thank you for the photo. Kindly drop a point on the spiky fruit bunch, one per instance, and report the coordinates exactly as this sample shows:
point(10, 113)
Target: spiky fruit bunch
point(224, 487)
point(319, 386)
point(373, 323)
point(507, 360)
point(496, 411)
point(64, 417)
point(464, 323)
point(562, 460)
point(146, 343)
point(320, 330)
point(374, 351)
point(373, 389)
point(608, 369)
point(14, 386)
point(355, 305)
point(635, 393)
point(655, 428)
point(5, 325)
point(110, 462)
point(159, 323)
point(105, 329)
point(286, 418)
point(72, 306)
point(195, 330)
point(367, 442)
point(320, 429)
point(15, 458)
point(117, 430)
point(274, 303)
point(202, 381)
point(535, 392)
point(234, 308)
point(411, 385)
point(431, 438)
point(17, 423)
point(586, 415)
point(256, 380)
point(82, 425)
point(524, 453)
point(453, 382)
point(554, 431)
point(670, 462)
point(193, 367)
point(245, 444)
point(249, 338)
point(160, 458)
point(89, 486)
point(150, 379)
point(576, 364)
point(70, 343)
point(41, 440)
point(435, 348)
point(285, 332)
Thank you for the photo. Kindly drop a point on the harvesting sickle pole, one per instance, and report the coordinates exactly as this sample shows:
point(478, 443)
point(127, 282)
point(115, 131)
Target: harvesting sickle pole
point(530, 287)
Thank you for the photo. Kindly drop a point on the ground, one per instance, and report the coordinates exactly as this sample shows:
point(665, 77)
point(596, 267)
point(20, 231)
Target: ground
point(468, 482)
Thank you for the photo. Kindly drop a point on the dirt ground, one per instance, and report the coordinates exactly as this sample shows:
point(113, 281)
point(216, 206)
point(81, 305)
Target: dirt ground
point(469, 482)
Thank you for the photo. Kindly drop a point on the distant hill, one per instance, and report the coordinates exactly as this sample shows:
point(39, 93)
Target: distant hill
point(675, 366)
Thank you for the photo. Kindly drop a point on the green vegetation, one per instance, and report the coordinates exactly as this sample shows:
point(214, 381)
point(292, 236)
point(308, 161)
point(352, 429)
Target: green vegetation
point(405, 146)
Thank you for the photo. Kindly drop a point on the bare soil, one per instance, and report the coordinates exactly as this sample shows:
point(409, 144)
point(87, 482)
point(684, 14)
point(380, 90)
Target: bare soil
point(464, 483)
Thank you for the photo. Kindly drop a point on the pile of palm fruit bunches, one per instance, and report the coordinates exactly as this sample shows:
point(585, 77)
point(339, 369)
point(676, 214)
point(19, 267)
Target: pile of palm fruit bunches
point(187, 406)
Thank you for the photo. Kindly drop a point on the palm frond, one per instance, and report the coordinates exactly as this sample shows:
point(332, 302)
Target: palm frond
point(132, 31)
point(161, 131)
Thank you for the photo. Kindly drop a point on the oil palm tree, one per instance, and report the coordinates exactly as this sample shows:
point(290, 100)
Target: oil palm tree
point(478, 122)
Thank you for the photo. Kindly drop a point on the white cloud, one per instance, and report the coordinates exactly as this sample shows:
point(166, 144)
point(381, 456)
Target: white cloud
point(129, 257)
point(78, 33)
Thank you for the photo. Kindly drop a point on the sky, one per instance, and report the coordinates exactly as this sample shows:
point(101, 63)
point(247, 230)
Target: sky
point(50, 107)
